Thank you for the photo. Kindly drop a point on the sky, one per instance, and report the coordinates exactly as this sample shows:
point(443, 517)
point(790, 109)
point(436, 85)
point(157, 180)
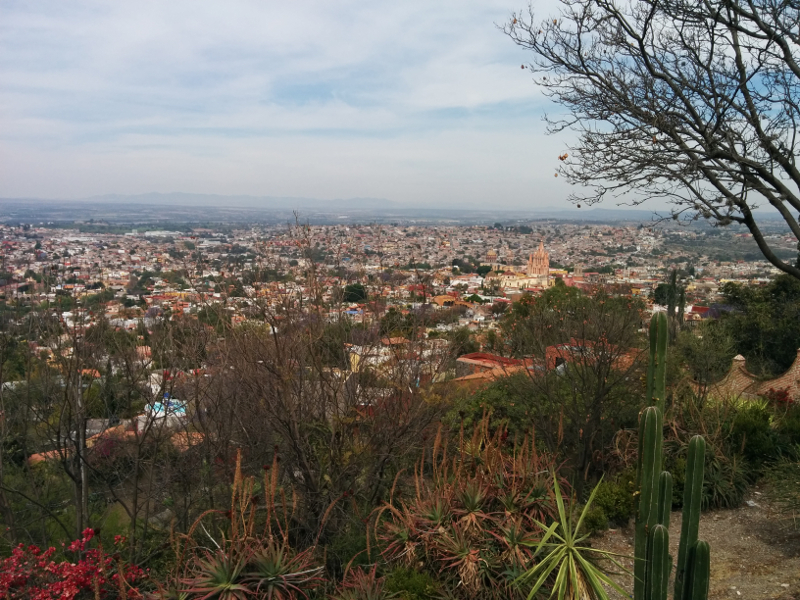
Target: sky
point(422, 103)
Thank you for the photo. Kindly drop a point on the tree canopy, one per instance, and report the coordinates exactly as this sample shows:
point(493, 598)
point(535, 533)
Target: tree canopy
point(355, 292)
point(763, 324)
point(693, 102)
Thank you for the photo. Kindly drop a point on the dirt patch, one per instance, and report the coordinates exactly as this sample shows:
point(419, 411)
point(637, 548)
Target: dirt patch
point(755, 550)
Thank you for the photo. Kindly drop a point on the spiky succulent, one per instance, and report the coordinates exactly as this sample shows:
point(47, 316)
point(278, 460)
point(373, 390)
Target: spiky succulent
point(218, 576)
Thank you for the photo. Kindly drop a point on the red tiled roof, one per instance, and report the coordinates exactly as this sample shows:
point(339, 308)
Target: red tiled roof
point(486, 357)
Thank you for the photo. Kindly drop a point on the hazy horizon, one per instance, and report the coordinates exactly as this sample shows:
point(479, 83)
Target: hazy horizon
point(420, 104)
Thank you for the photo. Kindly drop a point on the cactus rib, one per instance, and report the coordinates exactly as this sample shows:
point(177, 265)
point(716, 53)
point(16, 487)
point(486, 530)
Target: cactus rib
point(692, 495)
point(699, 572)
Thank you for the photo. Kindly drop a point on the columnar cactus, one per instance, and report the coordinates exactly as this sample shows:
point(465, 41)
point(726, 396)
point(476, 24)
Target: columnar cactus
point(696, 586)
point(664, 498)
point(653, 564)
point(659, 564)
point(657, 365)
point(692, 493)
point(651, 438)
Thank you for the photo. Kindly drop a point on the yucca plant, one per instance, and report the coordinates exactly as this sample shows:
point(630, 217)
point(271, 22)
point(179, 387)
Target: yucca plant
point(565, 562)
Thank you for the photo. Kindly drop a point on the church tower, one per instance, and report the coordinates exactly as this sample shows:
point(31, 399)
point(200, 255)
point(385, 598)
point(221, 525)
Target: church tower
point(539, 263)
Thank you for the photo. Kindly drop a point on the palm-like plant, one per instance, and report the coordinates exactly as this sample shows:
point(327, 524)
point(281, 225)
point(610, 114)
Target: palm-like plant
point(567, 562)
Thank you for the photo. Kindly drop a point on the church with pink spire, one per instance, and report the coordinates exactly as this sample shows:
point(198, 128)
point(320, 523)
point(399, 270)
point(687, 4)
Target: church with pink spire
point(536, 275)
point(539, 264)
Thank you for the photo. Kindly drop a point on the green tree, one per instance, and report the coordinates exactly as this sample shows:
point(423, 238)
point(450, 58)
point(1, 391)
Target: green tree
point(215, 316)
point(462, 341)
point(584, 366)
point(706, 353)
point(661, 294)
point(395, 324)
point(508, 402)
point(355, 292)
point(763, 324)
point(463, 266)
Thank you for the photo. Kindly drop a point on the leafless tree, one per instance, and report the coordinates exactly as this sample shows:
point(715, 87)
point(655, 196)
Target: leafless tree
point(584, 364)
point(690, 101)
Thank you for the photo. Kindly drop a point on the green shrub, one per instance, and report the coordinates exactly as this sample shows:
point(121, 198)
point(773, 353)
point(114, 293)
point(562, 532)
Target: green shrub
point(409, 584)
point(725, 482)
point(595, 520)
point(615, 498)
point(789, 427)
point(507, 402)
point(783, 478)
point(752, 435)
point(676, 465)
point(613, 503)
point(348, 544)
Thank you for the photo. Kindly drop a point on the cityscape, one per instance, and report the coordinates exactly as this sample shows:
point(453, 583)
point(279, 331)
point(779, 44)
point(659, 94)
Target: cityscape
point(186, 270)
point(400, 301)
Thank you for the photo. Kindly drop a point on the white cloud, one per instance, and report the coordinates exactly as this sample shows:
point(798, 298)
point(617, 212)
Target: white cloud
point(414, 101)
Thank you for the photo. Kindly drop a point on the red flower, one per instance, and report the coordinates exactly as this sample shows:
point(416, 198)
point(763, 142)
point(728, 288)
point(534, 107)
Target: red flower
point(30, 573)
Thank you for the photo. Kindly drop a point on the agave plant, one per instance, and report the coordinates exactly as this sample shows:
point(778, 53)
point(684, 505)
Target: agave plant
point(537, 504)
point(459, 551)
point(472, 512)
point(400, 535)
point(515, 541)
point(510, 501)
point(248, 564)
point(571, 566)
point(273, 573)
point(362, 585)
point(472, 497)
point(218, 576)
point(435, 511)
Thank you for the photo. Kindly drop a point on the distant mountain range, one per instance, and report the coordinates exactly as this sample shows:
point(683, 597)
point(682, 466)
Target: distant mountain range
point(154, 206)
point(243, 201)
point(284, 203)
